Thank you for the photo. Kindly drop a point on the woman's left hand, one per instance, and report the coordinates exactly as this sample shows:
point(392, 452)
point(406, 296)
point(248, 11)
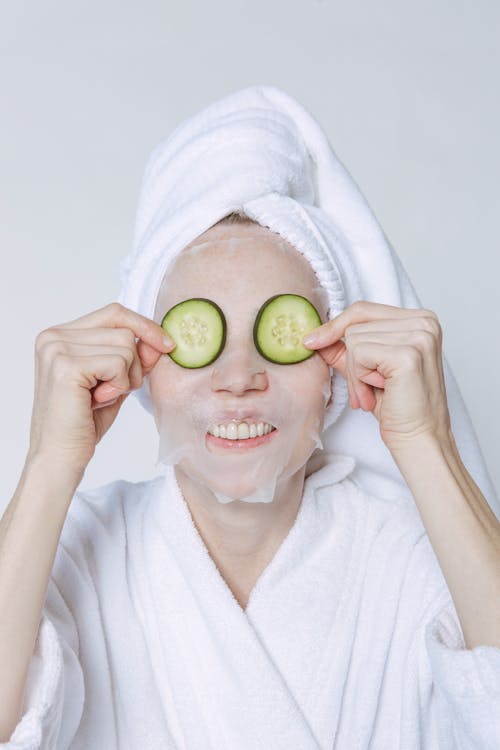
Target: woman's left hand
point(391, 358)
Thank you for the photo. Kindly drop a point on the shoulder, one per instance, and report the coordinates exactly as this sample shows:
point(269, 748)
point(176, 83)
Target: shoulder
point(371, 510)
point(101, 514)
point(378, 527)
point(395, 531)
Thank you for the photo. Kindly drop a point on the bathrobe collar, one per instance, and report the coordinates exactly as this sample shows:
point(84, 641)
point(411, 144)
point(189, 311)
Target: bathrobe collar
point(222, 660)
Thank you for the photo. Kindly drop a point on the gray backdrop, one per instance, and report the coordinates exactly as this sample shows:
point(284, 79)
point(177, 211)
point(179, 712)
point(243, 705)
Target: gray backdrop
point(407, 93)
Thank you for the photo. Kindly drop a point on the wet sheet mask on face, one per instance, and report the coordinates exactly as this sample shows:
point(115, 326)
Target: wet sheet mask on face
point(231, 469)
point(285, 403)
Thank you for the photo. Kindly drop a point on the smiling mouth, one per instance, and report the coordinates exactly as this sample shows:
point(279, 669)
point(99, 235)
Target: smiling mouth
point(241, 444)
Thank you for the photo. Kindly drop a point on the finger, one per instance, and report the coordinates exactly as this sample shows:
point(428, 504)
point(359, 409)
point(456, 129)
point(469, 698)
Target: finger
point(363, 392)
point(145, 356)
point(353, 397)
point(107, 390)
point(359, 312)
point(86, 370)
point(413, 323)
point(335, 356)
point(149, 356)
point(116, 315)
point(421, 340)
point(113, 404)
point(387, 359)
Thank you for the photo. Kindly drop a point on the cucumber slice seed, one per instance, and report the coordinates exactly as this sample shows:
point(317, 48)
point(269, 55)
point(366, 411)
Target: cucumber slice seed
point(198, 327)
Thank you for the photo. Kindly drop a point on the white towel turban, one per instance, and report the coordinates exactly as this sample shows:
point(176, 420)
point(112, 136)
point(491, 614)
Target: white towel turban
point(259, 150)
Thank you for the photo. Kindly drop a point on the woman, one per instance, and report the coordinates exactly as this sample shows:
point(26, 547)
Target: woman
point(252, 596)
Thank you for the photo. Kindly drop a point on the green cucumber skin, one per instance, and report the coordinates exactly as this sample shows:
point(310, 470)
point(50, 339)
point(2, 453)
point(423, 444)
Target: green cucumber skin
point(172, 354)
point(307, 352)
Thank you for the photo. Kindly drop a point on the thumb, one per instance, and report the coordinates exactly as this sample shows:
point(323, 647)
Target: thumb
point(148, 355)
point(335, 356)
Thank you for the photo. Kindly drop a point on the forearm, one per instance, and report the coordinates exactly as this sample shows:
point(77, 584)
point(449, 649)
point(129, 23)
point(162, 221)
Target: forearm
point(463, 531)
point(29, 534)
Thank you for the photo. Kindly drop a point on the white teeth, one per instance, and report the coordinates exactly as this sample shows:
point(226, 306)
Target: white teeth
point(232, 431)
point(242, 431)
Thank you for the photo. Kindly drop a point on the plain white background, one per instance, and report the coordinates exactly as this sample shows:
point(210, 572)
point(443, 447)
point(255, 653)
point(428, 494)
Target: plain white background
point(407, 93)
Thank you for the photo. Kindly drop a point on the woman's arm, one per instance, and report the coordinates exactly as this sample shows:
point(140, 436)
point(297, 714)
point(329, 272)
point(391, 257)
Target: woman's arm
point(30, 530)
point(463, 531)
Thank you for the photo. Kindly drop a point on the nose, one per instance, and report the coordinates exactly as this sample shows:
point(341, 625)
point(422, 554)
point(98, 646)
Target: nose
point(239, 369)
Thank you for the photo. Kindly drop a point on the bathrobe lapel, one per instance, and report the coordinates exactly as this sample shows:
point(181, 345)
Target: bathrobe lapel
point(228, 677)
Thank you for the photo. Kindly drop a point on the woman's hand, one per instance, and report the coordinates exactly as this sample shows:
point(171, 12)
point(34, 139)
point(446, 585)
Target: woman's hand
point(391, 358)
point(84, 371)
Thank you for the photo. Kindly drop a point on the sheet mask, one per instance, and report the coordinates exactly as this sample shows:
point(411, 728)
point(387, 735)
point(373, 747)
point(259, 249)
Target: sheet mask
point(241, 470)
point(238, 472)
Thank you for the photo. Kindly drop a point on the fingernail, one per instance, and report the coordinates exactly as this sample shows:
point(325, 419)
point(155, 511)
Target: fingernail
point(311, 338)
point(168, 342)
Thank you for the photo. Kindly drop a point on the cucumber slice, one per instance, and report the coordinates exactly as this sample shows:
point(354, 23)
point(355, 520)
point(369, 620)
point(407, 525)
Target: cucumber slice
point(198, 327)
point(281, 324)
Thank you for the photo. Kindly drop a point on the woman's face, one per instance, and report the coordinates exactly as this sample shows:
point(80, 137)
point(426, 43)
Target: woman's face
point(239, 267)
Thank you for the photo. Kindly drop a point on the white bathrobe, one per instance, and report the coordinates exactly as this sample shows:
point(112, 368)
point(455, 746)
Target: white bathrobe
point(350, 639)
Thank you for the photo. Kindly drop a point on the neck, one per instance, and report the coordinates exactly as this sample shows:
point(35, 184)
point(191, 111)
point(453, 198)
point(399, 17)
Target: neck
point(241, 537)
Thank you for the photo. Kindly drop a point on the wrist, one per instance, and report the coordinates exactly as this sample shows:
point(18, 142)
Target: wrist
point(53, 471)
point(404, 445)
point(420, 455)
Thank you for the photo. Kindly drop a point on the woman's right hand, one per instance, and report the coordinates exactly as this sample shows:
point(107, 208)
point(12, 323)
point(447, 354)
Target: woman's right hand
point(80, 367)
